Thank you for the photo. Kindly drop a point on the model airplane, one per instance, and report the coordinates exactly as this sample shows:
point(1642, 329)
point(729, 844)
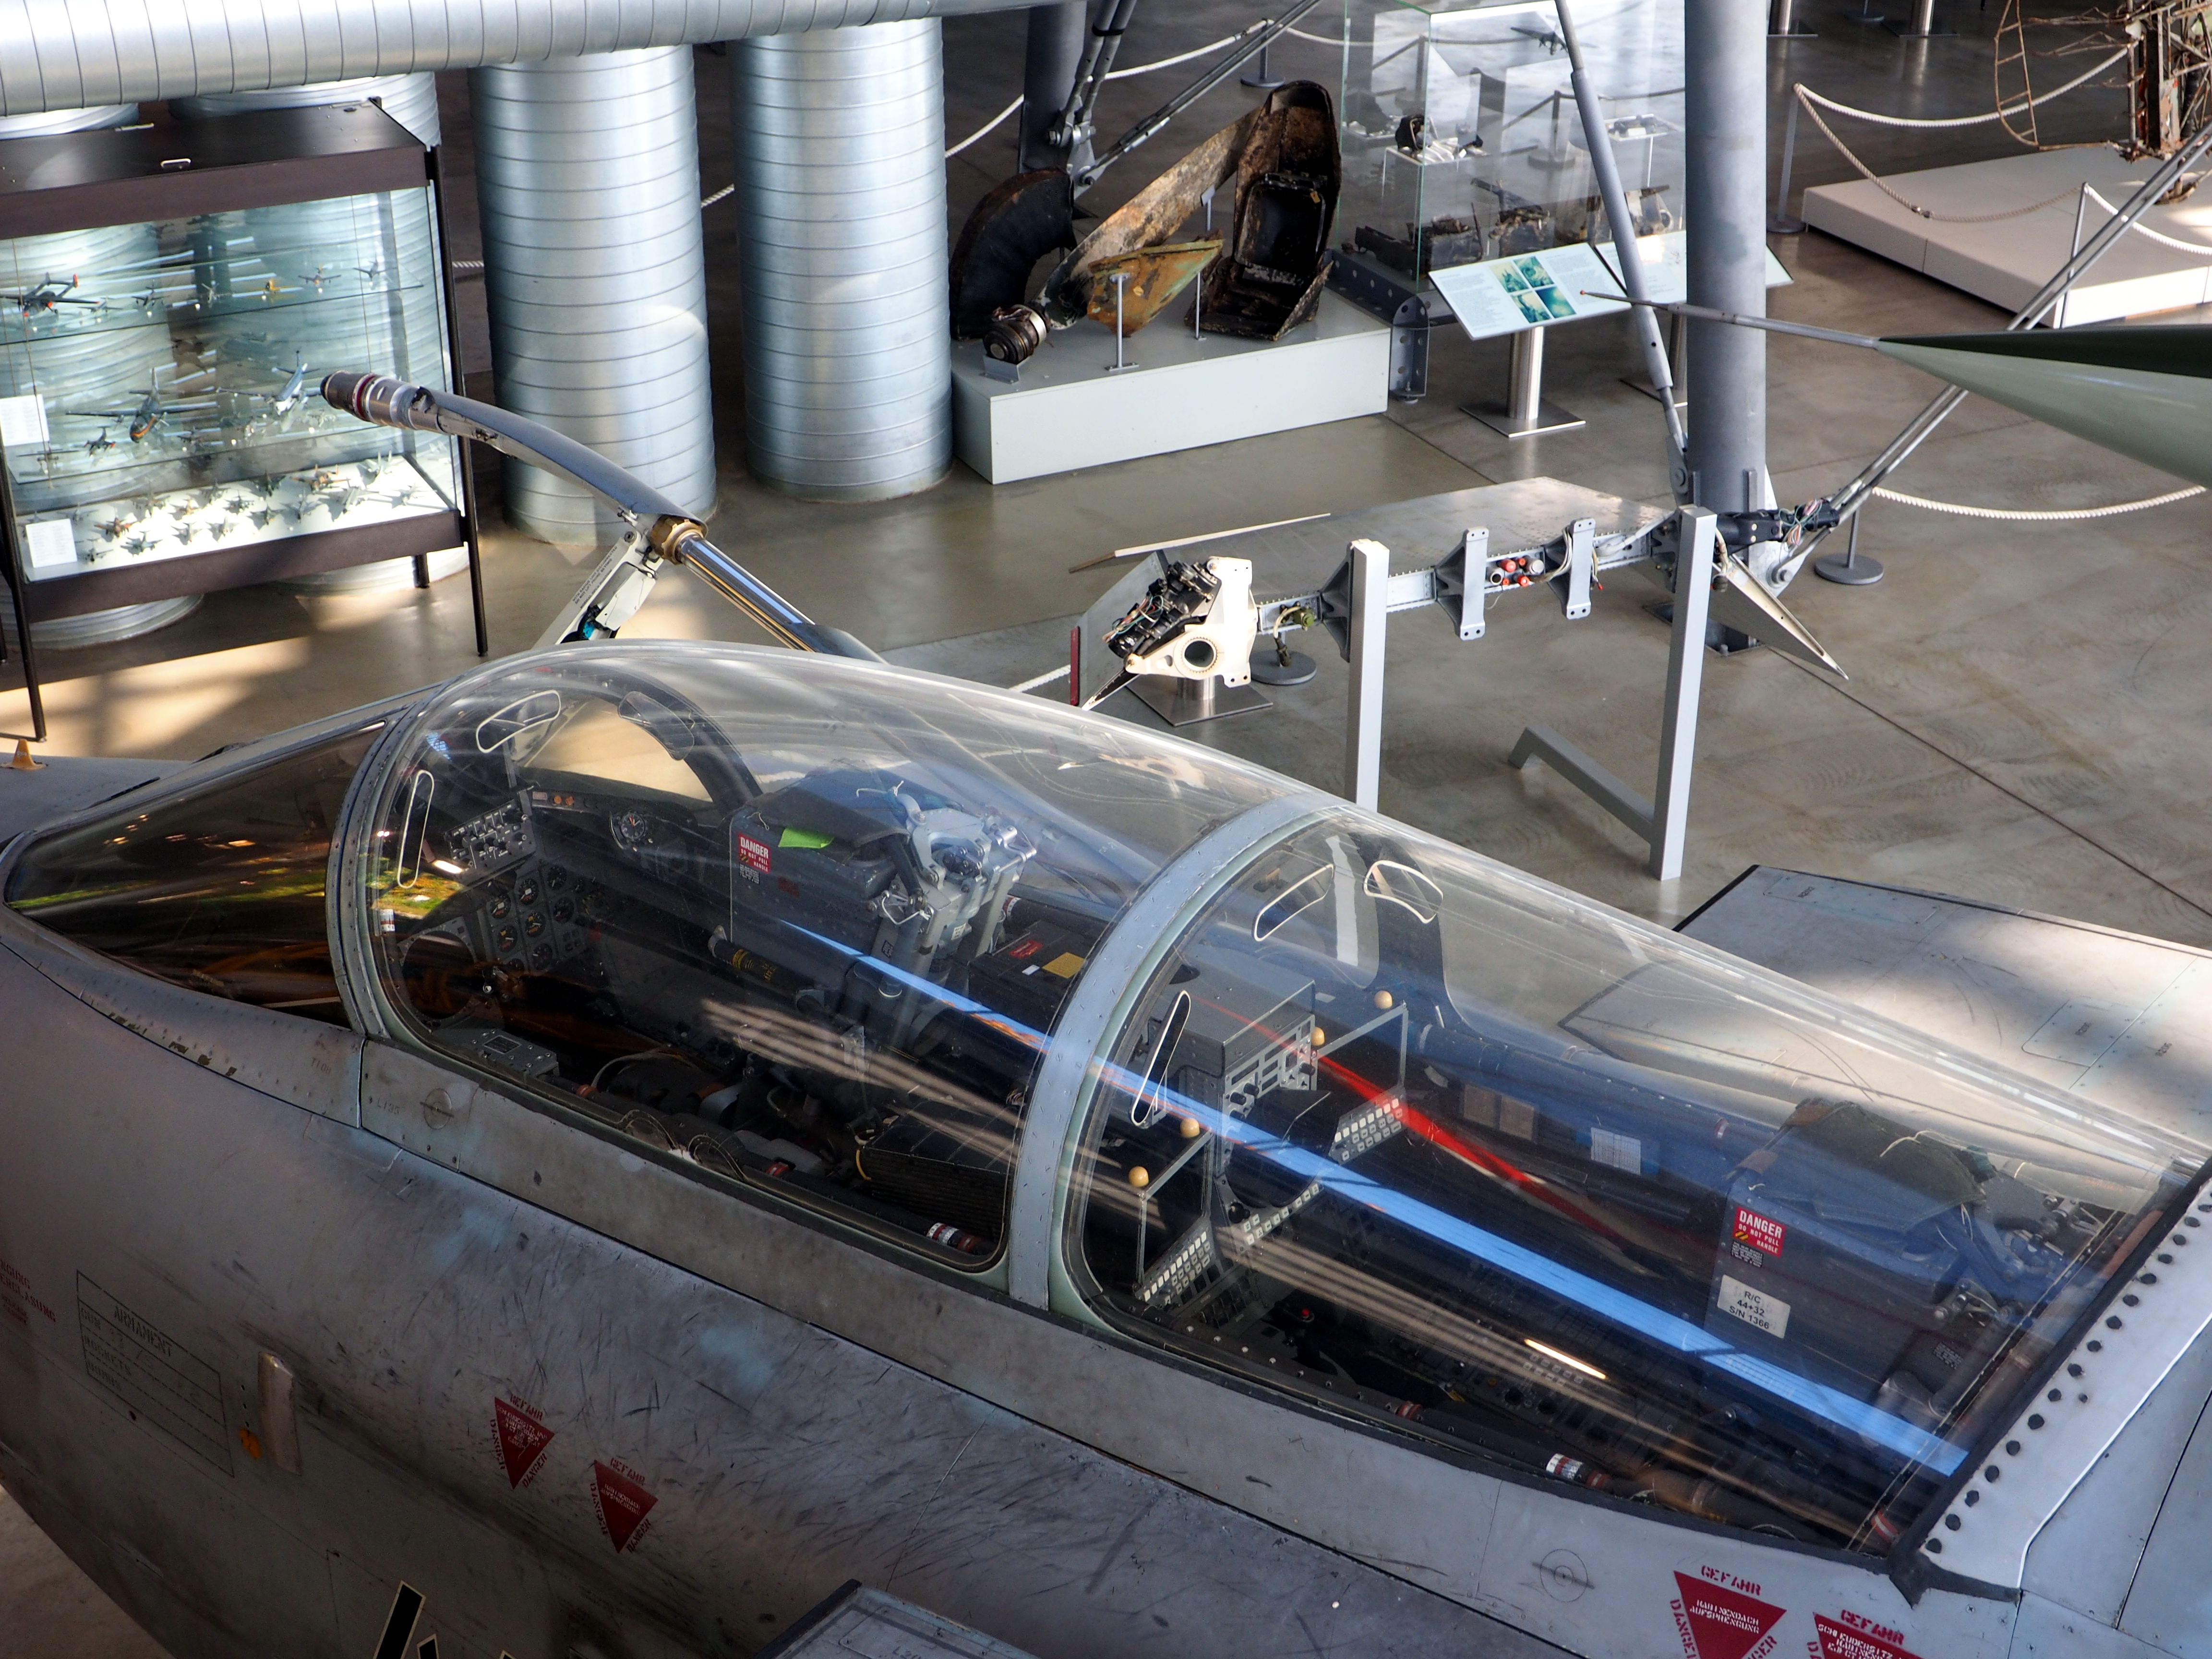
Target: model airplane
point(99, 444)
point(283, 403)
point(588, 1156)
point(149, 415)
point(47, 297)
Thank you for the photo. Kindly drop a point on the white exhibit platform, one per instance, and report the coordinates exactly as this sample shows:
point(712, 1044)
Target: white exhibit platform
point(1067, 412)
point(2005, 261)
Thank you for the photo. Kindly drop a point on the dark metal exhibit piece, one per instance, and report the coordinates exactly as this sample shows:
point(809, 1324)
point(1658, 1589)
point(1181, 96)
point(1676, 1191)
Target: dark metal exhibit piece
point(1269, 279)
point(1015, 225)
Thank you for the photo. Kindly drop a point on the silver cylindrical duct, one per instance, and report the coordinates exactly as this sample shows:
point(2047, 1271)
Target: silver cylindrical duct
point(587, 181)
point(410, 100)
point(840, 209)
point(94, 368)
point(67, 56)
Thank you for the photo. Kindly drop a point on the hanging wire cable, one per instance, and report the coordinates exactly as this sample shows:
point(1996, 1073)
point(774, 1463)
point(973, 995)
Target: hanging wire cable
point(2062, 515)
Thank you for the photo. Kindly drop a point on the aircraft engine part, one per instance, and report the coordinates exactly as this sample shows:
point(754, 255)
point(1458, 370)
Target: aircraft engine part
point(587, 175)
point(1015, 333)
point(410, 100)
point(1195, 622)
point(1159, 210)
point(841, 201)
point(1155, 274)
point(1269, 279)
point(1015, 225)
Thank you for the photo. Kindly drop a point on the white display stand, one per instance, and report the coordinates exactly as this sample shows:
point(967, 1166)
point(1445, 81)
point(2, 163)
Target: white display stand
point(2005, 261)
point(1068, 410)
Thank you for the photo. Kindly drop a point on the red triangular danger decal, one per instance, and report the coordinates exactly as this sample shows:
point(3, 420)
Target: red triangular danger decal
point(1841, 1642)
point(522, 1440)
point(623, 1504)
point(1724, 1623)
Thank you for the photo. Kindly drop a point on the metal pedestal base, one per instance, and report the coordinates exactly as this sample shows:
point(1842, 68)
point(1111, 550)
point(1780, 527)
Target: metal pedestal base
point(1524, 414)
point(1547, 416)
point(1188, 702)
point(1848, 569)
point(124, 621)
point(1267, 671)
point(380, 577)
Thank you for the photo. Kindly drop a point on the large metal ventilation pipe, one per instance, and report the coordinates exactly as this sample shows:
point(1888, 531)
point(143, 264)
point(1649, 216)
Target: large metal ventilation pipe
point(842, 247)
point(587, 182)
point(72, 57)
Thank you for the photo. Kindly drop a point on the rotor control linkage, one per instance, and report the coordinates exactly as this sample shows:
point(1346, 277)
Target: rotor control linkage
point(659, 530)
point(1197, 621)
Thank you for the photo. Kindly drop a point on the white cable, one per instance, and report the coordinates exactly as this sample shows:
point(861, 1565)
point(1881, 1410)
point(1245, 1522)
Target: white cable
point(726, 191)
point(1045, 679)
point(985, 131)
point(2073, 515)
point(1184, 58)
point(999, 120)
point(1996, 114)
point(2141, 229)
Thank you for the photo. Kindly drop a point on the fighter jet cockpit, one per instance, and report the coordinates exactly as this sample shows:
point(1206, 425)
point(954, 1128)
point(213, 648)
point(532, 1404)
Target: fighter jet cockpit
point(784, 926)
point(1357, 1119)
point(1431, 1144)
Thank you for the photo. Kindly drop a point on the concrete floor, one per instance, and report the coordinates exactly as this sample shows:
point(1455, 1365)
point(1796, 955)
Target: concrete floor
point(2023, 723)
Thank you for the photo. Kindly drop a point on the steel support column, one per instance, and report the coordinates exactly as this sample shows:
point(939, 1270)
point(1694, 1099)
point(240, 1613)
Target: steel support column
point(1724, 44)
point(1055, 52)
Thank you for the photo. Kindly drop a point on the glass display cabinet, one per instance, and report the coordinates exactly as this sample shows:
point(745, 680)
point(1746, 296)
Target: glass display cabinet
point(1462, 141)
point(170, 299)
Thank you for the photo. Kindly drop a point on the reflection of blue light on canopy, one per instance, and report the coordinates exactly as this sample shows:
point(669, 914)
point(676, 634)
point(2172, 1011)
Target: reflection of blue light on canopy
point(1631, 1313)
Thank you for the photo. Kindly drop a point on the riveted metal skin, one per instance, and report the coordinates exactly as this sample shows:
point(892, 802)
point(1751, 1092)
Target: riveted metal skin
point(2062, 1429)
point(427, 1255)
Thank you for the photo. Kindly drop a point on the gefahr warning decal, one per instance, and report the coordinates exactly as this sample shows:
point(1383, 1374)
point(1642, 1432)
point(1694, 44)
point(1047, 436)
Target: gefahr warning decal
point(1848, 1636)
point(1721, 1616)
point(619, 1495)
point(523, 1438)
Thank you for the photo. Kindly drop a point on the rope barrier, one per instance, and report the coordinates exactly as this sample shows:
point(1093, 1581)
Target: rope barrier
point(1000, 119)
point(2141, 229)
point(1196, 51)
point(1929, 213)
point(1040, 680)
point(1804, 98)
point(1997, 114)
point(985, 131)
point(2066, 515)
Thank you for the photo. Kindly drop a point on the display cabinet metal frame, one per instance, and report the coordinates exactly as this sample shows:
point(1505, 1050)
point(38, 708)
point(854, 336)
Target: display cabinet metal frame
point(154, 172)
